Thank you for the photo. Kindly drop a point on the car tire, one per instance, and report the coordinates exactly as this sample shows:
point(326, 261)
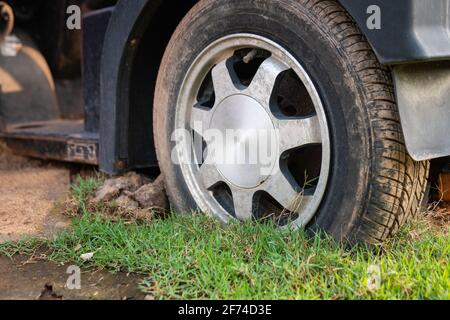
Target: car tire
point(373, 185)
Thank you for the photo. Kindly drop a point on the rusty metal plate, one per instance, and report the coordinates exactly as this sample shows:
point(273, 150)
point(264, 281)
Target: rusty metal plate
point(444, 186)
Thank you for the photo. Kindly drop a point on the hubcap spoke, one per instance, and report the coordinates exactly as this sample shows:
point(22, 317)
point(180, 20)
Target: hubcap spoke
point(200, 119)
point(243, 204)
point(296, 133)
point(209, 175)
point(263, 83)
point(225, 82)
point(286, 192)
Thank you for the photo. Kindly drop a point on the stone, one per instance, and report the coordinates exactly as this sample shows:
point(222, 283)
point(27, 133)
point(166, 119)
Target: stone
point(106, 193)
point(133, 181)
point(152, 195)
point(113, 187)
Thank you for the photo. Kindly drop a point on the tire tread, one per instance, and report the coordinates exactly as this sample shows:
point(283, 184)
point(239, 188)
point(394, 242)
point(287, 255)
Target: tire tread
point(393, 199)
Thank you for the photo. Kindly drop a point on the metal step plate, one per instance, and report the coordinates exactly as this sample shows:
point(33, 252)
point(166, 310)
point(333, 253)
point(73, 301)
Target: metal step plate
point(62, 140)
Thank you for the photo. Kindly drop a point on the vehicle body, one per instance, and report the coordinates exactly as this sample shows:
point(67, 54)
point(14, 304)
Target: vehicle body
point(123, 46)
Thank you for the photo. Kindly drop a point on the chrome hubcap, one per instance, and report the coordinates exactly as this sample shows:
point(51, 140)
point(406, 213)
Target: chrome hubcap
point(226, 94)
point(241, 114)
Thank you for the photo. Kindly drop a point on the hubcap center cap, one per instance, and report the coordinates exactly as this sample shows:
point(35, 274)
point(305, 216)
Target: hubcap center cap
point(246, 155)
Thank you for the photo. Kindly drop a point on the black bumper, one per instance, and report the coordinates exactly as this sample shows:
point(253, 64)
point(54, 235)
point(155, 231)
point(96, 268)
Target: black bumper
point(411, 30)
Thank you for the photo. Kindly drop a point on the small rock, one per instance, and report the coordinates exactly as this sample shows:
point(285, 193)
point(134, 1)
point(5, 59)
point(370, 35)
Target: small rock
point(152, 195)
point(112, 188)
point(129, 182)
point(135, 181)
point(106, 193)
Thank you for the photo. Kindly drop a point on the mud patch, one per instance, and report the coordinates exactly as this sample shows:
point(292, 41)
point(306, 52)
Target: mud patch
point(29, 190)
point(132, 197)
point(24, 279)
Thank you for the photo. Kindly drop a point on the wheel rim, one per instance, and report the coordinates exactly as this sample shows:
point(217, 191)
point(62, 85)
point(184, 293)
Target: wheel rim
point(238, 86)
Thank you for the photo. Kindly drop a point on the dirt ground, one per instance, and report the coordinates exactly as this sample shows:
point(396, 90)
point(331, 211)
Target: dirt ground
point(27, 208)
point(25, 279)
point(31, 192)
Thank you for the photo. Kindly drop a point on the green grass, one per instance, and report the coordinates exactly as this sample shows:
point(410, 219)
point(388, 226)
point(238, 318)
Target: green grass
point(82, 189)
point(194, 257)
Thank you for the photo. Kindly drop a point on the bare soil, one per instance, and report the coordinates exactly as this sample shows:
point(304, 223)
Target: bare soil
point(29, 193)
point(31, 196)
point(26, 279)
